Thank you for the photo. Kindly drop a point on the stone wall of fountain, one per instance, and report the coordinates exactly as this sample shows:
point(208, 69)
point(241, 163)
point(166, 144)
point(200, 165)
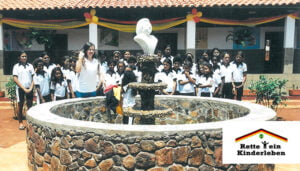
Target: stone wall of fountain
point(55, 141)
point(185, 110)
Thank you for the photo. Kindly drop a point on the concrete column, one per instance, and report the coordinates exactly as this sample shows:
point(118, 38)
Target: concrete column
point(93, 34)
point(289, 45)
point(191, 37)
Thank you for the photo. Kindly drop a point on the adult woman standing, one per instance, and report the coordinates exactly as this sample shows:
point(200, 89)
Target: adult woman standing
point(87, 68)
point(22, 76)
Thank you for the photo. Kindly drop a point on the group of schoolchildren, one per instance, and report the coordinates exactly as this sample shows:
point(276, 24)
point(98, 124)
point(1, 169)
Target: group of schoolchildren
point(211, 75)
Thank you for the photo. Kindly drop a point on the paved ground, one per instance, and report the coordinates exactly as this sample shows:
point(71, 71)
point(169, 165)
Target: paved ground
point(13, 153)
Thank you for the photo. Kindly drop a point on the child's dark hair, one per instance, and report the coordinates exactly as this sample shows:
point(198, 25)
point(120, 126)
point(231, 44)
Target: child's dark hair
point(188, 58)
point(168, 61)
point(55, 80)
point(177, 59)
point(212, 51)
point(21, 52)
point(215, 66)
point(241, 53)
point(188, 63)
point(112, 62)
point(44, 54)
point(210, 74)
point(129, 77)
point(35, 64)
point(36, 61)
point(224, 53)
point(131, 59)
point(63, 59)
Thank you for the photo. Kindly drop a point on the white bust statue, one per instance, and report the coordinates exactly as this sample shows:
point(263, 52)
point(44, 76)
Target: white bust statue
point(143, 38)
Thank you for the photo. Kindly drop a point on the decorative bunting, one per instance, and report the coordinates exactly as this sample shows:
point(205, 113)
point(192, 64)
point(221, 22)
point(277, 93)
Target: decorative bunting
point(129, 26)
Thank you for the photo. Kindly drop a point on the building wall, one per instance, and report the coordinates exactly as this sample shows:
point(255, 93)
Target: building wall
point(77, 37)
point(217, 38)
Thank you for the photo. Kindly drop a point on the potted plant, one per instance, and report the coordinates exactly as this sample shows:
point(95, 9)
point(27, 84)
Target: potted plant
point(269, 91)
point(248, 92)
point(11, 92)
point(2, 92)
point(295, 91)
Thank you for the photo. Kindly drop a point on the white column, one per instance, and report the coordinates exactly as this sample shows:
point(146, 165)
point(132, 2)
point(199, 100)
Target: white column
point(191, 36)
point(93, 34)
point(1, 37)
point(289, 44)
point(289, 32)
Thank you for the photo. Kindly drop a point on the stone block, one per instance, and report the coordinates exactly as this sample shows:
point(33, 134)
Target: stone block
point(145, 160)
point(129, 162)
point(106, 165)
point(164, 157)
point(148, 145)
point(181, 154)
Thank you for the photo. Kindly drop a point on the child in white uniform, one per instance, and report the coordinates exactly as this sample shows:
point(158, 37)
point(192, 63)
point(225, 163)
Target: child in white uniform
point(187, 80)
point(169, 77)
point(41, 81)
point(239, 74)
point(58, 85)
point(205, 81)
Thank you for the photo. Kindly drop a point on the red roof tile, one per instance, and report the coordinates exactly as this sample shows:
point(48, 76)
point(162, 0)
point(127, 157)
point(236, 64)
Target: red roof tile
point(59, 4)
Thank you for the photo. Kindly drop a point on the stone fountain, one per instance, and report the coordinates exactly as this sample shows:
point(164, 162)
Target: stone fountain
point(147, 112)
point(76, 134)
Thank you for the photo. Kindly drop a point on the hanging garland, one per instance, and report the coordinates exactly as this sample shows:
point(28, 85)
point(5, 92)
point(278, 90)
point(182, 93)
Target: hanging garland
point(129, 26)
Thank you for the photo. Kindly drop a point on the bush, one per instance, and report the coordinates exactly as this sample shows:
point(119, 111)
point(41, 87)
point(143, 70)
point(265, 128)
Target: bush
point(269, 91)
point(11, 92)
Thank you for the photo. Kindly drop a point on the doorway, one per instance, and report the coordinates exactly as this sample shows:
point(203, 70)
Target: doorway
point(275, 64)
point(59, 47)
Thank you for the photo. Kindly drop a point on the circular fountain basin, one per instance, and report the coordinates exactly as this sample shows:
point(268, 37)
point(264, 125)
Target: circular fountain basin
point(147, 86)
point(71, 135)
point(158, 112)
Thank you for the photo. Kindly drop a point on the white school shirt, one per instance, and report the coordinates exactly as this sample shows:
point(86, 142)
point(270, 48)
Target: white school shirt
point(226, 72)
point(49, 68)
point(73, 78)
point(178, 73)
point(164, 58)
point(238, 72)
point(119, 78)
point(138, 75)
point(43, 82)
point(188, 87)
point(167, 79)
point(217, 78)
point(24, 74)
point(202, 80)
point(128, 99)
point(59, 89)
point(66, 74)
point(87, 77)
point(111, 79)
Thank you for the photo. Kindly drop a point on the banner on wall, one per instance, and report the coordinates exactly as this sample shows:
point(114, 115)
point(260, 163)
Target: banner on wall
point(109, 37)
point(253, 43)
point(15, 40)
